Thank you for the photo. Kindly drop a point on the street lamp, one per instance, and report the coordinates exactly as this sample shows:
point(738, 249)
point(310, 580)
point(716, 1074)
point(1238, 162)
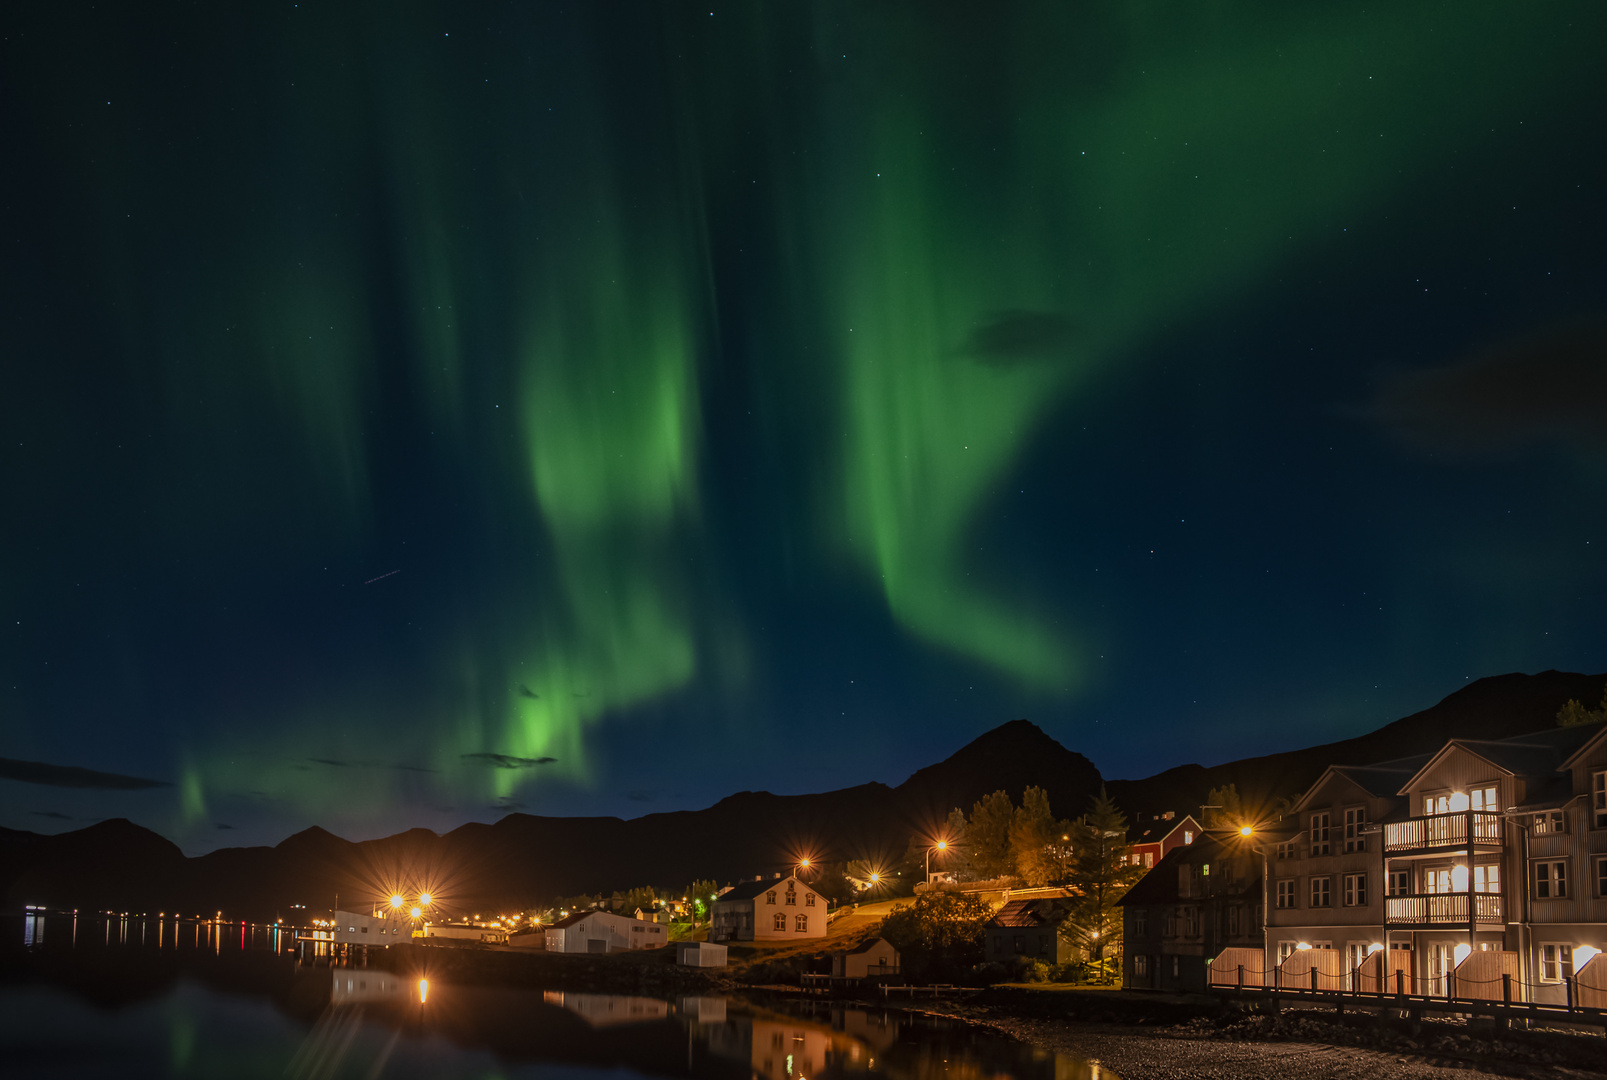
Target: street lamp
point(940, 846)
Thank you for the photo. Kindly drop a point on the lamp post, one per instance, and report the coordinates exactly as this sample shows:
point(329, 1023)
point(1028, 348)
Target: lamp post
point(941, 845)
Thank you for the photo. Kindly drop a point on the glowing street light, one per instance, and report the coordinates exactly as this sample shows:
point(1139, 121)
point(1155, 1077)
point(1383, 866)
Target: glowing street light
point(1246, 830)
point(416, 912)
point(397, 901)
point(424, 898)
point(940, 846)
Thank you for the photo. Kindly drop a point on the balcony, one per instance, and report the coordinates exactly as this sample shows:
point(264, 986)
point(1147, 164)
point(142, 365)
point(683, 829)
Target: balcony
point(1443, 832)
point(1441, 909)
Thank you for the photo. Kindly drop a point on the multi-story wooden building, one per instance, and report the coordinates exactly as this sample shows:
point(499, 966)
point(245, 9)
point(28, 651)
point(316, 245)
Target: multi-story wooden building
point(1485, 846)
point(1201, 898)
point(766, 910)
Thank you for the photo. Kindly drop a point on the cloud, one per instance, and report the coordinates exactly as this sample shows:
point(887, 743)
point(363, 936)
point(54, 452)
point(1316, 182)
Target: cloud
point(1547, 389)
point(525, 691)
point(1018, 336)
point(50, 814)
point(71, 776)
point(327, 761)
point(506, 805)
point(508, 761)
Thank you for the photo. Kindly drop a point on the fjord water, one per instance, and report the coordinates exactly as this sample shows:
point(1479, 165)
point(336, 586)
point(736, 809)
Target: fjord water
point(109, 996)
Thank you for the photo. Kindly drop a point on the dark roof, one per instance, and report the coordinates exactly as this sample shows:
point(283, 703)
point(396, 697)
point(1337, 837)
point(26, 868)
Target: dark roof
point(750, 889)
point(568, 920)
point(1537, 754)
point(1160, 830)
point(867, 945)
point(1384, 779)
point(1047, 911)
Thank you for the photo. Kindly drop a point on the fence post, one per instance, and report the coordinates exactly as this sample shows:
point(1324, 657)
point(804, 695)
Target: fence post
point(1241, 976)
point(1506, 987)
point(1400, 984)
point(1313, 978)
point(1450, 985)
point(1569, 983)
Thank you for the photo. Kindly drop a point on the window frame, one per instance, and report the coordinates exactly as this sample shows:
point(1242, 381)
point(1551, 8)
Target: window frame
point(1405, 879)
point(778, 921)
point(1285, 892)
point(1598, 799)
point(1324, 844)
point(1556, 878)
point(1354, 889)
point(800, 923)
point(1549, 823)
point(1326, 882)
point(1494, 791)
point(1355, 820)
point(1560, 963)
point(1288, 849)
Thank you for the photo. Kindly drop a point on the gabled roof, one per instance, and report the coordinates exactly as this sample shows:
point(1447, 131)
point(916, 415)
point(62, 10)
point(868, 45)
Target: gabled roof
point(1376, 781)
point(750, 889)
point(1585, 747)
point(867, 945)
point(1538, 753)
point(1050, 911)
point(567, 920)
point(1155, 834)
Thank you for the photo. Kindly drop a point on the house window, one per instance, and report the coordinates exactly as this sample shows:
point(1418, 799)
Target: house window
point(1321, 892)
point(365, 929)
point(1319, 833)
point(1286, 850)
point(1356, 953)
point(1550, 879)
point(1484, 800)
point(1233, 922)
point(1140, 967)
point(1149, 860)
point(801, 923)
point(1286, 949)
point(1140, 923)
point(792, 898)
point(779, 921)
point(1598, 798)
point(1400, 882)
point(1487, 878)
point(1355, 818)
point(1174, 967)
point(809, 899)
point(1286, 894)
point(1601, 875)
point(770, 897)
point(1188, 838)
point(1355, 890)
point(1191, 922)
point(1556, 963)
point(1549, 822)
point(1171, 923)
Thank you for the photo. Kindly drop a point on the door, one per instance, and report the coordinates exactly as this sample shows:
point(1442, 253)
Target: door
point(1439, 967)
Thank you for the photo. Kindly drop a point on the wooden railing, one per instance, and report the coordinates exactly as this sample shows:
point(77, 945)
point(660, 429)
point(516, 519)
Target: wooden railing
point(1442, 831)
point(1442, 908)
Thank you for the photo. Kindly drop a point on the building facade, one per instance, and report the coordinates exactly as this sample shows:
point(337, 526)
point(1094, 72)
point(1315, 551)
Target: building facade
point(603, 932)
point(1160, 835)
point(769, 910)
point(1487, 846)
point(1030, 929)
point(1200, 900)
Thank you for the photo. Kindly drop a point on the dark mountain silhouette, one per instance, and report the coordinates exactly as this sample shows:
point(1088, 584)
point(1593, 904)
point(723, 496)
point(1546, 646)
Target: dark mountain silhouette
point(1492, 708)
point(523, 860)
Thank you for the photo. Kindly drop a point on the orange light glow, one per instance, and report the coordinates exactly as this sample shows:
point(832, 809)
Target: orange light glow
point(397, 901)
point(423, 991)
point(1246, 830)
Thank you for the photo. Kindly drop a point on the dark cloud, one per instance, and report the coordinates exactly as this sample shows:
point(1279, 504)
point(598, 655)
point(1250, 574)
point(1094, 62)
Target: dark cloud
point(525, 691)
point(506, 805)
point(1017, 336)
point(1550, 389)
point(50, 814)
point(71, 776)
point(328, 761)
point(508, 761)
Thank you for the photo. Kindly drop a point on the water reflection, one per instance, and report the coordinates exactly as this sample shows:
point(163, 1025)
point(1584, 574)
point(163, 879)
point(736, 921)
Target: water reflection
point(208, 998)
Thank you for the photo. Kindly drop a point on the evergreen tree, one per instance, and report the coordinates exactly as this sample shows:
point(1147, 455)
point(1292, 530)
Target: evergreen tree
point(1225, 809)
point(987, 836)
point(1573, 714)
point(1036, 843)
point(1101, 873)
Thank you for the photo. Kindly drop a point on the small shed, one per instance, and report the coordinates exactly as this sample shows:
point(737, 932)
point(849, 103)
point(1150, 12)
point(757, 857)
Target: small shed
point(873, 958)
point(706, 954)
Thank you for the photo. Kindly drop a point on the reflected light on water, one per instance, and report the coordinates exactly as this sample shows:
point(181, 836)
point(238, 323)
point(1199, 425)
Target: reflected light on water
point(423, 990)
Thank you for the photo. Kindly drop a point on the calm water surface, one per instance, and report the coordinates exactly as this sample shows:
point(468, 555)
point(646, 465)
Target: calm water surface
point(92, 996)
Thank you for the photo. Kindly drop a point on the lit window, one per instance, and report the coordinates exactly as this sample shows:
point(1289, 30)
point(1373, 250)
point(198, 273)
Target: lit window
point(1487, 878)
point(1484, 799)
point(1188, 836)
point(1549, 822)
point(1550, 879)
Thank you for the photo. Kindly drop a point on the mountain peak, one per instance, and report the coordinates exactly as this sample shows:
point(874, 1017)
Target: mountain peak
point(1013, 757)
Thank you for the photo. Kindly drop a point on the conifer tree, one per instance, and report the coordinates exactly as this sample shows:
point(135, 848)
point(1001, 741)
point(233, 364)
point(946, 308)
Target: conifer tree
point(1101, 873)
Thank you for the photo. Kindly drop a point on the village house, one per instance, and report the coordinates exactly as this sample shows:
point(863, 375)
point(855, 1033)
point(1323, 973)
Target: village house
point(768, 910)
point(1030, 929)
point(1201, 901)
point(873, 958)
point(1490, 857)
point(601, 932)
point(1160, 835)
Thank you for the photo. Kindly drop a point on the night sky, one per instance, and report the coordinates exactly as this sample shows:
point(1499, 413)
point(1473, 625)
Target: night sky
point(413, 413)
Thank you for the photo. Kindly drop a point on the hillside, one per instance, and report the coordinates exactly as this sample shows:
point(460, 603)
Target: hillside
point(523, 859)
